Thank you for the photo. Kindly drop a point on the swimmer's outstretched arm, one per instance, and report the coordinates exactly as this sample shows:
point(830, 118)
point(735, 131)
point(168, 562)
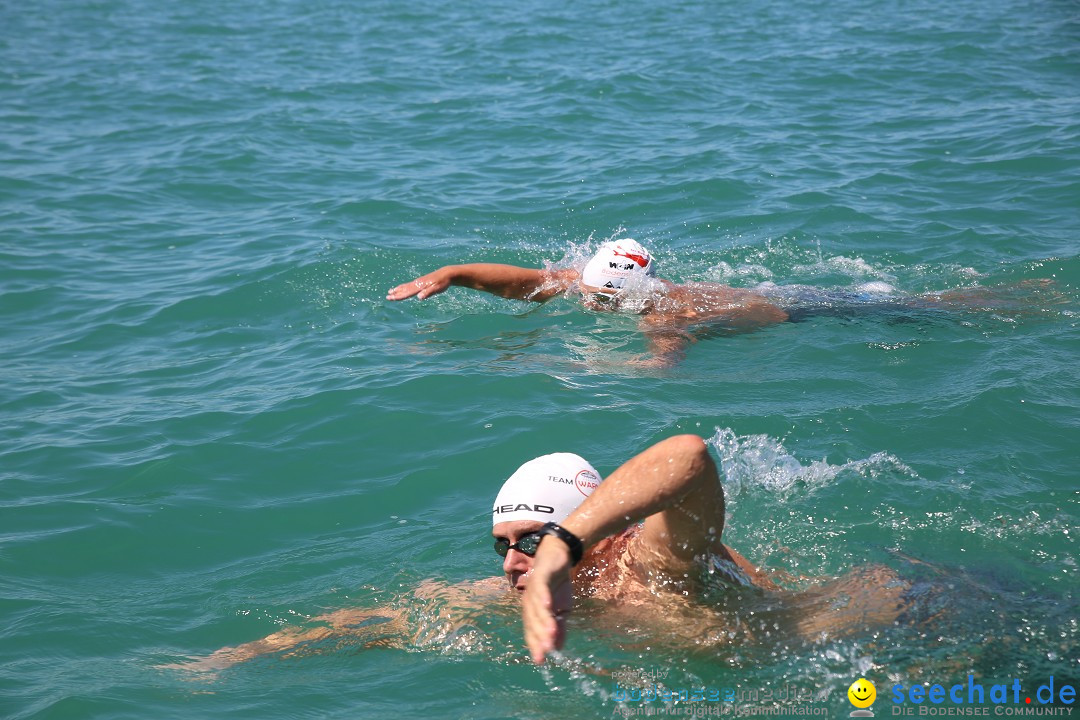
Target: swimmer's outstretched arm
point(384, 627)
point(675, 488)
point(342, 623)
point(508, 281)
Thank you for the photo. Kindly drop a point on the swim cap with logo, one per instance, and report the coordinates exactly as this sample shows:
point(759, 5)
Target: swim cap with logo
point(547, 489)
point(615, 262)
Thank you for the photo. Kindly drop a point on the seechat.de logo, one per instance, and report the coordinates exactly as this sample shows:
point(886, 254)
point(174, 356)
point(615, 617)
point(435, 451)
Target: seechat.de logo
point(1008, 698)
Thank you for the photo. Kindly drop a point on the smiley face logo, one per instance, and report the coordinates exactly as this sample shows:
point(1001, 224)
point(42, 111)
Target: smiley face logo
point(862, 693)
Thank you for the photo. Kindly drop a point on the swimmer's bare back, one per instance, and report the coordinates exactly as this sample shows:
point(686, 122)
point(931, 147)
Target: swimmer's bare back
point(711, 302)
point(669, 322)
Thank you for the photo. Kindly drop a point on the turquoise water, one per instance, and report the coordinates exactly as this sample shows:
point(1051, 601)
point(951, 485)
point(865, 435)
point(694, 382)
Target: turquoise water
point(214, 426)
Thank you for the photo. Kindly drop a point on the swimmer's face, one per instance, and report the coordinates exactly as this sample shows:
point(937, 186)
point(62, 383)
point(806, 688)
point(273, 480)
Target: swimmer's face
point(862, 693)
point(516, 564)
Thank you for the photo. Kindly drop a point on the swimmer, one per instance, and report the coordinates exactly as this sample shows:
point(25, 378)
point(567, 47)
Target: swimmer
point(647, 538)
point(621, 277)
point(644, 546)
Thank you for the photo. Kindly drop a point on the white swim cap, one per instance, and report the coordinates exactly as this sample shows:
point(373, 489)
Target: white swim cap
point(614, 262)
point(547, 489)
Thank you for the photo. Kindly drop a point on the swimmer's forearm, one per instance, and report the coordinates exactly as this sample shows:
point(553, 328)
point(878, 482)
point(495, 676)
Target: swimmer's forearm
point(340, 623)
point(508, 281)
point(667, 343)
point(649, 483)
point(227, 656)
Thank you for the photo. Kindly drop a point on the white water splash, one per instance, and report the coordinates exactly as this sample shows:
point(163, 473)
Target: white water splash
point(759, 460)
point(855, 268)
point(725, 273)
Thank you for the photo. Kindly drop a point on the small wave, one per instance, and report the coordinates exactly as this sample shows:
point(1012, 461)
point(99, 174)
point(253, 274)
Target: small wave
point(761, 461)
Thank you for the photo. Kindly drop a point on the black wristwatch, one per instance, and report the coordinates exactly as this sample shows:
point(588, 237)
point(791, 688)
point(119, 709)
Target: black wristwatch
point(577, 548)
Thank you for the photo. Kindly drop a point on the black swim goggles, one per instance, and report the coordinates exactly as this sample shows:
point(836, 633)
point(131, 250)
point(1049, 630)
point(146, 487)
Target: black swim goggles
point(527, 544)
point(604, 298)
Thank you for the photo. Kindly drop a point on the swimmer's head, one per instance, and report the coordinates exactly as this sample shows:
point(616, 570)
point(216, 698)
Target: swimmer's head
point(546, 489)
point(609, 271)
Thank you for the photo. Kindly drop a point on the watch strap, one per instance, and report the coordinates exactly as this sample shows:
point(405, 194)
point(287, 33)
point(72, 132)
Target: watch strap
point(577, 548)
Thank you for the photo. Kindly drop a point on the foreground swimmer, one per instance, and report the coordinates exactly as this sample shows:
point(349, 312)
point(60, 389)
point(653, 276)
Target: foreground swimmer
point(672, 488)
point(621, 277)
point(644, 546)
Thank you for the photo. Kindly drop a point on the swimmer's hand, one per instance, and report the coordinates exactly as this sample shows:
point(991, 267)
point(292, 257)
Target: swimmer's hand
point(548, 598)
point(424, 286)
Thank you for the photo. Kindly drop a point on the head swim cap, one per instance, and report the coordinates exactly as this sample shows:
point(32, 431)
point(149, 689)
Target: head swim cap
point(547, 489)
point(615, 262)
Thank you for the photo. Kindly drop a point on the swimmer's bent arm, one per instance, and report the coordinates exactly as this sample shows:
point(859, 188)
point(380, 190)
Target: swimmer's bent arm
point(667, 341)
point(674, 487)
point(508, 281)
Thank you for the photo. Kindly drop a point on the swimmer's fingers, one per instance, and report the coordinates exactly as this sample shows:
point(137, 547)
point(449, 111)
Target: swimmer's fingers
point(561, 603)
point(545, 620)
point(422, 287)
point(541, 627)
point(547, 601)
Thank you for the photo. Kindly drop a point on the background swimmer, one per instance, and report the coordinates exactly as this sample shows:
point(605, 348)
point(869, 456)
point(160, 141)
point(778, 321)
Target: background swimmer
point(621, 277)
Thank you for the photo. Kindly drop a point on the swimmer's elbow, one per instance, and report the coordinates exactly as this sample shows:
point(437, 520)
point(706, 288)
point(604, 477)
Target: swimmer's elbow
point(689, 443)
point(551, 283)
point(690, 449)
